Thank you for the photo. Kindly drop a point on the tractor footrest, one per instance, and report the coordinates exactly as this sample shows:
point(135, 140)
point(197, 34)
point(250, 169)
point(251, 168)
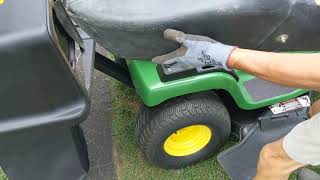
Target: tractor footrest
point(240, 161)
point(260, 89)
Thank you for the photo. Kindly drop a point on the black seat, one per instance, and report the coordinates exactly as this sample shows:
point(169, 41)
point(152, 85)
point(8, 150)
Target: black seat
point(133, 28)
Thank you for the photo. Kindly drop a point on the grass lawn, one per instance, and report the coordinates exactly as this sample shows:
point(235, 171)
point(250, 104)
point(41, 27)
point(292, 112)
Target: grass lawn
point(129, 160)
point(2, 175)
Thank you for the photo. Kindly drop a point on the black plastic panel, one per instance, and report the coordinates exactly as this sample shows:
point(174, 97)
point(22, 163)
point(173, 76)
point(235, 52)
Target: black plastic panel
point(165, 75)
point(42, 100)
point(44, 154)
point(301, 26)
point(134, 28)
point(240, 161)
point(38, 86)
point(260, 89)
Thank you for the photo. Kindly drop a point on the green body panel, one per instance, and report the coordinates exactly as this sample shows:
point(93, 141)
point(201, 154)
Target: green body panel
point(153, 92)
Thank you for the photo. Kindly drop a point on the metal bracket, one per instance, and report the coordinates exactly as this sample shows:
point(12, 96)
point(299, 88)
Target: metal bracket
point(113, 69)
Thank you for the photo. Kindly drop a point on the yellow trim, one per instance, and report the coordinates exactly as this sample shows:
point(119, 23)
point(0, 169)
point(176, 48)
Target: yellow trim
point(188, 140)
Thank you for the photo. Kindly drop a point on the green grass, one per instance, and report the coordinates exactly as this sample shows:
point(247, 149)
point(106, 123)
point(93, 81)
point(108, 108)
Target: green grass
point(3, 176)
point(131, 164)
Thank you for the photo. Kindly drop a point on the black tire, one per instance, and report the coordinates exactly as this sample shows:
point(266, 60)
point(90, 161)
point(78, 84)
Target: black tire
point(156, 124)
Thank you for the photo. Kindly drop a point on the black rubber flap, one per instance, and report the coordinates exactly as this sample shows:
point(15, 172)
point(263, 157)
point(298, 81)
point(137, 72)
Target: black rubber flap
point(260, 89)
point(241, 160)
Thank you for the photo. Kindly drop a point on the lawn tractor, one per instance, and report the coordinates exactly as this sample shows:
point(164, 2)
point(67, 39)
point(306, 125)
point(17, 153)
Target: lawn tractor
point(187, 116)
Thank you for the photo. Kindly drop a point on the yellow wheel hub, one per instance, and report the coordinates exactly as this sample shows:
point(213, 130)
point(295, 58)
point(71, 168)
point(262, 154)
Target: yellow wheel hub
point(188, 140)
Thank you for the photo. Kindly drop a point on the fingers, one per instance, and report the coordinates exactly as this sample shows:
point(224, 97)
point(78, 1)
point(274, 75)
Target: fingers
point(192, 37)
point(180, 37)
point(167, 57)
point(188, 44)
point(163, 58)
point(174, 35)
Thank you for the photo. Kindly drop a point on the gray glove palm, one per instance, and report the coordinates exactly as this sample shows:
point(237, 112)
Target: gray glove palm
point(196, 51)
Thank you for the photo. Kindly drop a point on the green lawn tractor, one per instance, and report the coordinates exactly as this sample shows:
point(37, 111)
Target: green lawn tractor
point(189, 115)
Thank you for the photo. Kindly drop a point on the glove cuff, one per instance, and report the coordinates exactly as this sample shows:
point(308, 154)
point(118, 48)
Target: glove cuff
point(223, 53)
point(229, 58)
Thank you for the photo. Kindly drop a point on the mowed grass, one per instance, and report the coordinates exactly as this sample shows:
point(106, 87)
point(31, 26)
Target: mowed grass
point(129, 160)
point(3, 176)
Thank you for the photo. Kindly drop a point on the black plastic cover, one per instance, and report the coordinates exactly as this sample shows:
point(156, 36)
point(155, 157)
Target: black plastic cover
point(134, 28)
point(38, 85)
point(240, 161)
point(43, 97)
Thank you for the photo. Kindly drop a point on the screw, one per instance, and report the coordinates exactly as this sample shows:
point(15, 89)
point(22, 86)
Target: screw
point(283, 38)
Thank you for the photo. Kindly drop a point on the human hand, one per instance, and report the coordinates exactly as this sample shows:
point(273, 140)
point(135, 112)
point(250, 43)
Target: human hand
point(196, 51)
point(274, 163)
point(314, 108)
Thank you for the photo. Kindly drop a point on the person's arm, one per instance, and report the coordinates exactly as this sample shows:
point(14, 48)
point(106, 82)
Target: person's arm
point(294, 70)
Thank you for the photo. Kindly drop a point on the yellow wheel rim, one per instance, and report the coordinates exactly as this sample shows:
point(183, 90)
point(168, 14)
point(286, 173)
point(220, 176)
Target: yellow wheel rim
point(188, 140)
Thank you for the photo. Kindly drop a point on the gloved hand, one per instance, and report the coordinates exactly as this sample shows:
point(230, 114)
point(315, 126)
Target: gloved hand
point(196, 51)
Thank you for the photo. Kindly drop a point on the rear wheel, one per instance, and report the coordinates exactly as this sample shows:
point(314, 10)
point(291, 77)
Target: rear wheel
point(183, 131)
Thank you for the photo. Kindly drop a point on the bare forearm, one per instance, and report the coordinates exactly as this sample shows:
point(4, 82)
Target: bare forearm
point(295, 70)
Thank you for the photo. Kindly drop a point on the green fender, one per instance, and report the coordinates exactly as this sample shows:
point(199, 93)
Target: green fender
point(153, 92)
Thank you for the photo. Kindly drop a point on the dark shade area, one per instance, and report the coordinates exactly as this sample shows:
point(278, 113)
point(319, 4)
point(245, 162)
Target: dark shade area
point(97, 130)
